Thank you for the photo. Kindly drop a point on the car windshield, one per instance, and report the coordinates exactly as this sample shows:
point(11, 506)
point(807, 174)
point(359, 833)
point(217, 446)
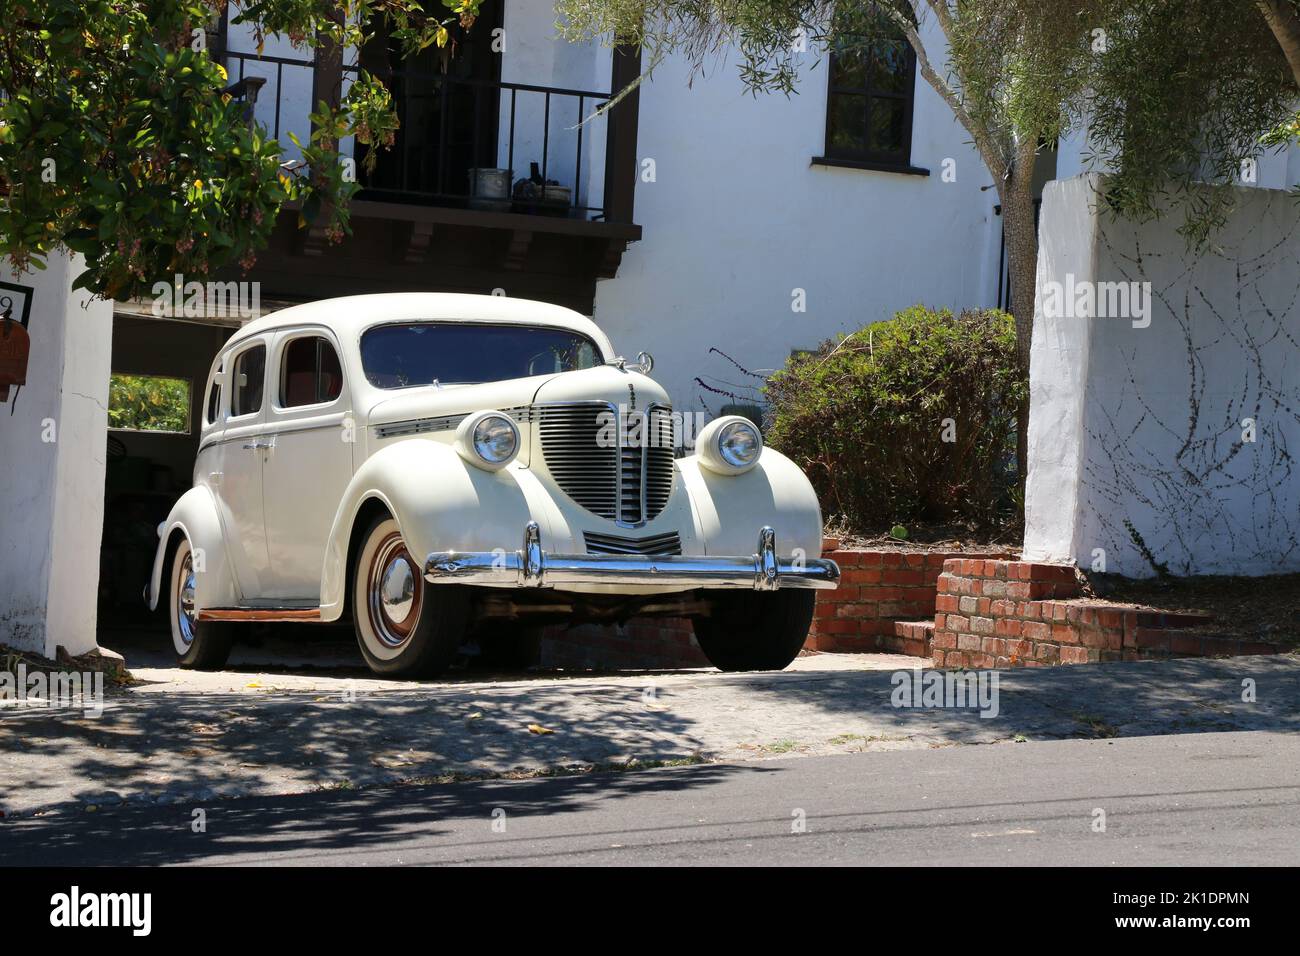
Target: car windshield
point(453, 353)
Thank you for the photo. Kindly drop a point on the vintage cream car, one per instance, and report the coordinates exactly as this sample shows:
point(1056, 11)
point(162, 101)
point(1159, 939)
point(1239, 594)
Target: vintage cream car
point(448, 467)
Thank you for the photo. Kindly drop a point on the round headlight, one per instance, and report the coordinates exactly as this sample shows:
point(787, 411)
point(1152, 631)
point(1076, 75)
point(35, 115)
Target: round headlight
point(495, 439)
point(729, 445)
point(488, 439)
point(739, 444)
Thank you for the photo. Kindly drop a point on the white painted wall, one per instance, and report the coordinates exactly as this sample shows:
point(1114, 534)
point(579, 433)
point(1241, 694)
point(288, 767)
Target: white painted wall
point(737, 218)
point(1144, 425)
point(52, 508)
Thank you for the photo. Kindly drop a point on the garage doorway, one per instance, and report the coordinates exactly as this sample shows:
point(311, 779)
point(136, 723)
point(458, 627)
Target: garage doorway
point(159, 370)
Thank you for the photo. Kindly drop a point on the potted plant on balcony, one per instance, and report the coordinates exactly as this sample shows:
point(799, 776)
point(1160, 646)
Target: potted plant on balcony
point(549, 198)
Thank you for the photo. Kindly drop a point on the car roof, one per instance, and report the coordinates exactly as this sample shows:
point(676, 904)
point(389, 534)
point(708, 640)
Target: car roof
point(355, 313)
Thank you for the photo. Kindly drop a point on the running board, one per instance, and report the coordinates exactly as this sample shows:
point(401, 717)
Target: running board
point(259, 614)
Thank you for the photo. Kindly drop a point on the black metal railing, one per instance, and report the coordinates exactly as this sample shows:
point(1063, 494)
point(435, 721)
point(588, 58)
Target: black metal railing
point(450, 126)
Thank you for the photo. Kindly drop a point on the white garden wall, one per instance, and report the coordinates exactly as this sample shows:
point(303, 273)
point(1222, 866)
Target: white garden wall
point(53, 434)
point(1182, 434)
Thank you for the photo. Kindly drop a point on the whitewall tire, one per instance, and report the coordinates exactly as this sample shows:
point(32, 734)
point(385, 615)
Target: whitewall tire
point(199, 645)
point(405, 627)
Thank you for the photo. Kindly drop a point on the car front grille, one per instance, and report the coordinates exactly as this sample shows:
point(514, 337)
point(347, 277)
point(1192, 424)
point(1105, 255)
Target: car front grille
point(629, 480)
point(655, 546)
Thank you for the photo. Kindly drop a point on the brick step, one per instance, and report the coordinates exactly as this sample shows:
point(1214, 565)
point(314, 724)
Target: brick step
point(913, 637)
point(1179, 642)
point(995, 613)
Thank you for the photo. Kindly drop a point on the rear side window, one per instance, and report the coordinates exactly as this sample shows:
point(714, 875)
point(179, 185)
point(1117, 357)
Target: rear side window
point(310, 373)
point(247, 382)
point(214, 398)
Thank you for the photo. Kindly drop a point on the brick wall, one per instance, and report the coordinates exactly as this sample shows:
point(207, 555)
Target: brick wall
point(1001, 613)
point(878, 590)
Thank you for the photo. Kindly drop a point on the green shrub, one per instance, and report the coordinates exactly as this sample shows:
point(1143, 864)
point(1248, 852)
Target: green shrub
point(865, 417)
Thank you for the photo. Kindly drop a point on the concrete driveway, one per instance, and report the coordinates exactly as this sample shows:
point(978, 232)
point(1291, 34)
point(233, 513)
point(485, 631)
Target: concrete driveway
point(308, 717)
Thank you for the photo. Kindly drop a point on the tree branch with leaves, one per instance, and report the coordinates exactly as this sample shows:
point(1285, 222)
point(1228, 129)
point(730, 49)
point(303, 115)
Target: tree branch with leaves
point(119, 140)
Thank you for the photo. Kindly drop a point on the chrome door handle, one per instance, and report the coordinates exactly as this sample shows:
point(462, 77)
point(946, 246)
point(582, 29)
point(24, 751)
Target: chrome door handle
point(252, 444)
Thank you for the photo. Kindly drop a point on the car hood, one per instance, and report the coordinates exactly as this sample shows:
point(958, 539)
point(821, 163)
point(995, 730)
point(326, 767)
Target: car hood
point(605, 383)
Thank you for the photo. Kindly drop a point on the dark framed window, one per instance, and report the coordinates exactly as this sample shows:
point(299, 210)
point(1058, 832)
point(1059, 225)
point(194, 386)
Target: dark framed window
point(310, 373)
point(871, 86)
point(248, 379)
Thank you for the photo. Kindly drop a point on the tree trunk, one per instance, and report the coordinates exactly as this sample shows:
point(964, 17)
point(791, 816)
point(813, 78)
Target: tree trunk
point(1021, 237)
point(1284, 20)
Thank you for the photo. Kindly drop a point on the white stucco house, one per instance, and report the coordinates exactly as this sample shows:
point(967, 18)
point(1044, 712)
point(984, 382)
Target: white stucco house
point(717, 230)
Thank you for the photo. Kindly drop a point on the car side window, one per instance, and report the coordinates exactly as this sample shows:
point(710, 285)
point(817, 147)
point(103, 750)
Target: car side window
point(310, 373)
point(214, 397)
point(247, 382)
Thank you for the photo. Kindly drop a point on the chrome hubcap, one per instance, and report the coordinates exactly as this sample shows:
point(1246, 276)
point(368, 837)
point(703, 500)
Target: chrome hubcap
point(185, 602)
point(395, 594)
point(397, 589)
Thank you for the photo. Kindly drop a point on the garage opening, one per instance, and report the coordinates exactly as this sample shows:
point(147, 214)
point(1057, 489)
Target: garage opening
point(159, 369)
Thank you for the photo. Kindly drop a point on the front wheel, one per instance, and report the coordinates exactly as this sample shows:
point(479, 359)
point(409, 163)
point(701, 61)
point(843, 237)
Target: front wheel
point(200, 645)
point(754, 631)
point(405, 628)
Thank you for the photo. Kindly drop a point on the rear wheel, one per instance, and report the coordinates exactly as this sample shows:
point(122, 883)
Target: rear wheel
point(200, 645)
point(755, 631)
point(405, 628)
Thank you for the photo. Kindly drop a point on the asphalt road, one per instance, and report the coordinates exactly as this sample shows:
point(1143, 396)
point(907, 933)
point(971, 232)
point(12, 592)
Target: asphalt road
point(1201, 798)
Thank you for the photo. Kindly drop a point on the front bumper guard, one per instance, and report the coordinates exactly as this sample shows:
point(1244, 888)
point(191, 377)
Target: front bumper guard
point(531, 567)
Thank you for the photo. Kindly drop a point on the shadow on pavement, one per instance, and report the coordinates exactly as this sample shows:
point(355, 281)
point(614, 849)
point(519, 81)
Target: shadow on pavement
point(316, 824)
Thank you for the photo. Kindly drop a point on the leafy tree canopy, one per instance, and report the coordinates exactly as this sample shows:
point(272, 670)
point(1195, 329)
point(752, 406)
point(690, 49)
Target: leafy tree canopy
point(118, 139)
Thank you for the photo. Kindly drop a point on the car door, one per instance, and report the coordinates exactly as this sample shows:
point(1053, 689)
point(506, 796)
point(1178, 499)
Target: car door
point(307, 463)
point(236, 478)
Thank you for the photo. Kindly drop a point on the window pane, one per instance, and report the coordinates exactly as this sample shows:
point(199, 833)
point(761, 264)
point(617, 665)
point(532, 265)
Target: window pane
point(214, 401)
point(298, 378)
point(310, 372)
point(250, 370)
point(420, 353)
point(889, 68)
point(149, 403)
point(848, 126)
point(331, 373)
point(887, 119)
point(849, 69)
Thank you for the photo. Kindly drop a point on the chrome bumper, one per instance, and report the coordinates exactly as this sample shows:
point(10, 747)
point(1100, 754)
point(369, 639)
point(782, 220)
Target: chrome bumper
point(532, 567)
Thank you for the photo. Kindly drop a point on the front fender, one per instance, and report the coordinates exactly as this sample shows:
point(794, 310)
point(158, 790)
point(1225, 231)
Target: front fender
point(440, 502)
point(729, 510)
point(195, 516)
